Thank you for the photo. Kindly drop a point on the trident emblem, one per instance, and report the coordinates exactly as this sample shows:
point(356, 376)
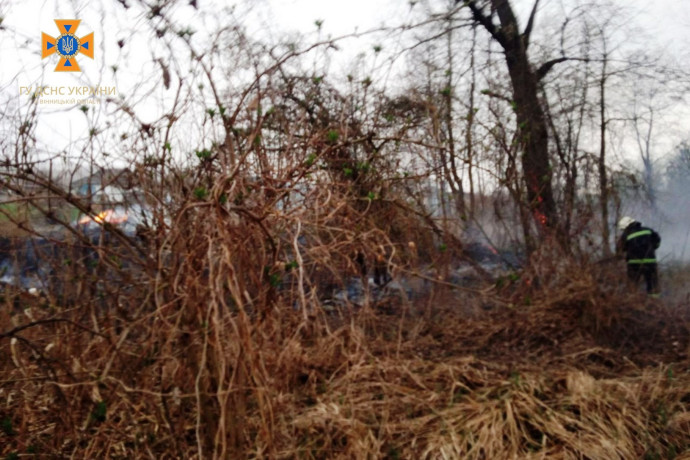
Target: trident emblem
point(67, 45)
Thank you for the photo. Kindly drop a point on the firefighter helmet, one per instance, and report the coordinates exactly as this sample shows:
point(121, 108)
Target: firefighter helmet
point(624, 222)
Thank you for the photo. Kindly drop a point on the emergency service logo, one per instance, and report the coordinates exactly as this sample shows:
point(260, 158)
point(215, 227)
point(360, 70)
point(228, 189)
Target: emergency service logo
point(68, 46)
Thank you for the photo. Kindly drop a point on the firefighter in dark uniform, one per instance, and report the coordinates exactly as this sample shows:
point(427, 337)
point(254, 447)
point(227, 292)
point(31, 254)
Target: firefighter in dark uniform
point(639, 244)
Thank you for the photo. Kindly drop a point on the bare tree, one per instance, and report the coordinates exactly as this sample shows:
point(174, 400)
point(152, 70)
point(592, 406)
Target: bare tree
point(530, 118)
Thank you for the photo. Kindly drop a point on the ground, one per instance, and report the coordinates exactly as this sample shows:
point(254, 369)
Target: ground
point(558, 360)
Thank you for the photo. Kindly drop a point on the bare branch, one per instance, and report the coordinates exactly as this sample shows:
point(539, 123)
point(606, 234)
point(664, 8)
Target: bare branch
point(16, 330)
point(530, 24)
point(486, 22)
point(546, 67)
point(496, 95)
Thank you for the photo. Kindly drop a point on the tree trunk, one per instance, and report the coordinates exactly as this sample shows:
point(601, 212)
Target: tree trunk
point(532, 125)
point(469, 141)
point(457, 187)
point(603, 179)
point(530, 118)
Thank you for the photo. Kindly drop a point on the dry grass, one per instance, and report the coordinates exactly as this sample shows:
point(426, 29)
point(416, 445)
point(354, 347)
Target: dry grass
point(212, 343)
point(580, 372)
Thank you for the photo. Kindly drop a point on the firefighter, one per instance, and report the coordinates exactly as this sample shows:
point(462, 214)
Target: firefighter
point(639, 244)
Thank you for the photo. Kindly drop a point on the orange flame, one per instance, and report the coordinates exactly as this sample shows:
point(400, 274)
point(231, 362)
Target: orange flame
point(540, 217)
point(108, 215)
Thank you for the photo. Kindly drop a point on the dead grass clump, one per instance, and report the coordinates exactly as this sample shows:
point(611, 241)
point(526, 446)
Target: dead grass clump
point(559, 306)
point(472, 409)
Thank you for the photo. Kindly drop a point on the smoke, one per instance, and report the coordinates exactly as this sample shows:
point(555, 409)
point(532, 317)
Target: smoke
point(673, 223)
point(669, 215)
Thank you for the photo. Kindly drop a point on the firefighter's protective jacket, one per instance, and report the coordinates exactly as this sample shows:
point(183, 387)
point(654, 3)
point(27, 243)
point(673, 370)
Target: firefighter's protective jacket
point(639, 243)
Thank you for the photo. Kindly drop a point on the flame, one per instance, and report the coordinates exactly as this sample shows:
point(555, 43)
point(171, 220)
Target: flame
point(540, 217)
point(109, 216)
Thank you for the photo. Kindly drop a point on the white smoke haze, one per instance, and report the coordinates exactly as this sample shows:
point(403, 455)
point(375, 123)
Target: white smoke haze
point(669, 214)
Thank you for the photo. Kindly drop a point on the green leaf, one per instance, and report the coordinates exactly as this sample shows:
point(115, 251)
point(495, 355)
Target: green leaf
point(186, 32)
point(274, 280)
point(200, 193)
point(99, 412)
point(203, 154)
point(332, 136)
